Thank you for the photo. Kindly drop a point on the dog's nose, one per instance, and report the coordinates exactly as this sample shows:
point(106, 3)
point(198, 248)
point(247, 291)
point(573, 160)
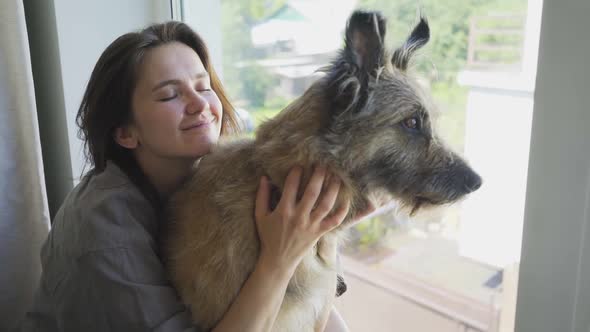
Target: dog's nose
point(472, 181)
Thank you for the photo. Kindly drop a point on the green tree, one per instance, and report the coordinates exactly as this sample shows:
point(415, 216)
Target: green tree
point(238, 18)
point(446, 53)
point(256, 82)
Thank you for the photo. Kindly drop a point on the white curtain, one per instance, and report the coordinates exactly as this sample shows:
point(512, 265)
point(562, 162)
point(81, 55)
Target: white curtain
point(24, 215)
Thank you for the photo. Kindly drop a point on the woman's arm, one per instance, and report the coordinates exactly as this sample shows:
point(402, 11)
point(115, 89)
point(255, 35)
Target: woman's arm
point(258, 302)
point(286, 235)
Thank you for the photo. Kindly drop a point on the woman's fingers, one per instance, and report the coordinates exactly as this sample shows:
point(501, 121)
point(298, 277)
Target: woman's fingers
point(313, 190)
point(335, 219)
point(262, 199)
point(317, 202)
point(326, 202)
point(289, 194)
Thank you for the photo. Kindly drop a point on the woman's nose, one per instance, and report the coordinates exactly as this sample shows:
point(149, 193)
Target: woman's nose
point(196, 103)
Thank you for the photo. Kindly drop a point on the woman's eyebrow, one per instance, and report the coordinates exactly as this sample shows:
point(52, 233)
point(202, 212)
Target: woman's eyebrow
point(198, 76)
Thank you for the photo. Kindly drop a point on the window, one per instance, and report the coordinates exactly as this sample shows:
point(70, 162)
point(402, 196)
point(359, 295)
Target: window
point(450, 270)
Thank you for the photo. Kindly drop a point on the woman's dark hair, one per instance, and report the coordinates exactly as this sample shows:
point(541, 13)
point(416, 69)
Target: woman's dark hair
point(106, 104)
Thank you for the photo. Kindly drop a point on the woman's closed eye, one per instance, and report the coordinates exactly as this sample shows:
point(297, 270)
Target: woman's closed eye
point(202, 87)
point(173, 94)
point(167, 93)
point(168, 97)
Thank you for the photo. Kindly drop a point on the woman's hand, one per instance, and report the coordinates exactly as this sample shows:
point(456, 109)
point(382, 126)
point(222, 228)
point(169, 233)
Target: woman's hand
point(291, 230)
point(286, 235)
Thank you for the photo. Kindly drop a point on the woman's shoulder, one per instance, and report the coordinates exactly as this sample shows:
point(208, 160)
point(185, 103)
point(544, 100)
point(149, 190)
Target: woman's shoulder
point(105, 210)
point(112, 177)
point(111, 190)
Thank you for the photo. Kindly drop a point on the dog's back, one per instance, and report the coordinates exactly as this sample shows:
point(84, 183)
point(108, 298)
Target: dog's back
point(211, 244)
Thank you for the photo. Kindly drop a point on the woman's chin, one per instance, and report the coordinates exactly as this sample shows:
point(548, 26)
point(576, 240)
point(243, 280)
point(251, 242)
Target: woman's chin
point(200, 145)
point(203, 148)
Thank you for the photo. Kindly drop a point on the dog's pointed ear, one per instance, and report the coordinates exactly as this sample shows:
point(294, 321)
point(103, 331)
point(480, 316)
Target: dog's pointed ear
point(418, 38)
point(363, 54)
point(365, 33)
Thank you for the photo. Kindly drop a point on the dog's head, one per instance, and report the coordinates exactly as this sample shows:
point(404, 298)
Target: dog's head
point(379, 128)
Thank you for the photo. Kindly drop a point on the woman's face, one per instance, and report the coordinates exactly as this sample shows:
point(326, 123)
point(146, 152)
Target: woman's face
point(176, 114)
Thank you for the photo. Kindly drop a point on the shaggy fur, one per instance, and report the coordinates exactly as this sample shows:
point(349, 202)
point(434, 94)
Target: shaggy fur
point(367, 121)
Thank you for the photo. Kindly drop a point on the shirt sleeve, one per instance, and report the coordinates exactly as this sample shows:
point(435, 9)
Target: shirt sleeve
point(121, 289)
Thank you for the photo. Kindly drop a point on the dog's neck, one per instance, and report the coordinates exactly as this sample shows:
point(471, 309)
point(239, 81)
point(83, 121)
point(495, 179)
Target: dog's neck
point(293, 138)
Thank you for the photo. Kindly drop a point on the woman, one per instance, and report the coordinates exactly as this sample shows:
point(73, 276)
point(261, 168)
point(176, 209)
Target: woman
point(152, 108)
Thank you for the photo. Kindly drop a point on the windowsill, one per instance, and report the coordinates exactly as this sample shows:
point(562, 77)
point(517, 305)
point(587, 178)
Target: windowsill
point(432, 297)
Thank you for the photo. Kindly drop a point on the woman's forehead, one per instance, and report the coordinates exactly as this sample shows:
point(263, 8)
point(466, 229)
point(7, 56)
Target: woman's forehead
point(170, 61)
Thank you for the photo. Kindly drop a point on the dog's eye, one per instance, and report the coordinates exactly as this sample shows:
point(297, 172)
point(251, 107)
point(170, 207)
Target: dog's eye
point(412, 123)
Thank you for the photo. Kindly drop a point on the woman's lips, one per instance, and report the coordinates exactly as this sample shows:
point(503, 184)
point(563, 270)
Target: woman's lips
point(197, 125)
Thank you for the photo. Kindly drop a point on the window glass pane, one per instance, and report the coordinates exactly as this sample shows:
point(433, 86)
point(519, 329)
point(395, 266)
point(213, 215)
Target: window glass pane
point(443, 269)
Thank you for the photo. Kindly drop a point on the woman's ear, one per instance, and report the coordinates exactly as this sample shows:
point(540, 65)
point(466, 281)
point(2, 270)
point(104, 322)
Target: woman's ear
point(126, 137)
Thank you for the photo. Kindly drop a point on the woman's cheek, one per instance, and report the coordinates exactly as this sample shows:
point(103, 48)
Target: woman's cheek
point(215, 105)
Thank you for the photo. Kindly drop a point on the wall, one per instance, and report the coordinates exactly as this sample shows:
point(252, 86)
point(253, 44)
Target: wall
point(554, 281)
